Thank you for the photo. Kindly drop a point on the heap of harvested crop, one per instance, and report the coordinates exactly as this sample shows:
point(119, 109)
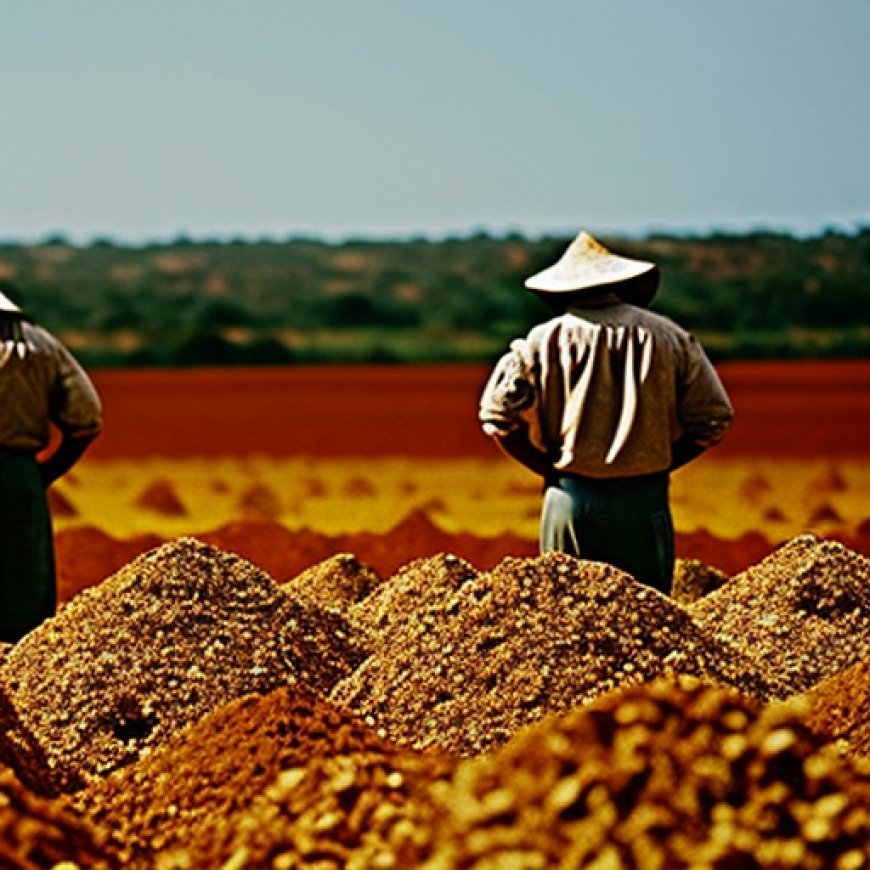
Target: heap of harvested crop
point(693, 579)
point(336, 583)
point(659, 775)
point(665, 774)
point(180, 797)
point(357, 811)
point(414, 598)
point(176, 633)
point(37, 833)
point(804, 610)
point(465, 667)
point(839, 707)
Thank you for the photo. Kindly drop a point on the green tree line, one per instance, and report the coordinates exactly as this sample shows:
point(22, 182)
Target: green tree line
point(747, 296)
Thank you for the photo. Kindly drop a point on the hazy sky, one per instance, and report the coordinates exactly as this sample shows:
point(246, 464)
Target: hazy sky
point(376, 118)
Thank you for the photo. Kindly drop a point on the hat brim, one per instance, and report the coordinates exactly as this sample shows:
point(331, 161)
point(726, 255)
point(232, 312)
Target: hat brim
point(637, 285)
point(7, 305)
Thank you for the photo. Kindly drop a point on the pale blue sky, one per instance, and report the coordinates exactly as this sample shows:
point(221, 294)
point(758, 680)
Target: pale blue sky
point(378, 118)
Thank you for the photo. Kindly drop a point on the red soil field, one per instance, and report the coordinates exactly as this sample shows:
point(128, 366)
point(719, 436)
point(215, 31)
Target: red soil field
point(798, 409)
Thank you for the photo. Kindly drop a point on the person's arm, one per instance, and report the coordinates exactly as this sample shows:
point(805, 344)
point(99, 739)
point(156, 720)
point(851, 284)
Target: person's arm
point(70, 449)
point(704, 409)
point(75, 410)
point(516, 445)
point(683, 451)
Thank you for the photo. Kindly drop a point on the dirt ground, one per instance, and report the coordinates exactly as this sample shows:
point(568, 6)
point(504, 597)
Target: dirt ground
point(796, 409)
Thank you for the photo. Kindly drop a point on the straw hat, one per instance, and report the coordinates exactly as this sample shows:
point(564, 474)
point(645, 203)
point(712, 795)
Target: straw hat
point(587, 264)
point(6, 304)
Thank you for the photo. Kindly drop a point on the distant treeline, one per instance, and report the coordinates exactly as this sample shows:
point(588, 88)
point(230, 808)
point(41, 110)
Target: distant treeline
point(757, 295)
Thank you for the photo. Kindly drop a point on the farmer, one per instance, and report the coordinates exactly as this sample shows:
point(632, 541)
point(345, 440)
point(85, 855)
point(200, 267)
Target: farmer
point(40, 384)
point(604, 401)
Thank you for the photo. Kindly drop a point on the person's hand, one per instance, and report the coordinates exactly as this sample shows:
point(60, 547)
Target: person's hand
point(68, 452)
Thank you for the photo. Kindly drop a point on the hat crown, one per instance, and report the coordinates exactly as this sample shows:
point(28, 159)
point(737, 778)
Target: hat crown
point(585, 245)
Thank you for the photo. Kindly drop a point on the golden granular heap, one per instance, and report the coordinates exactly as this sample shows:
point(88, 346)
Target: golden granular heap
point(413, 598)
point(181, 797)
point(839, 707)
point(37, 833)
point(658, 776)
point(351, 811)
point(803, 612)
point(470, 658)
point(173, 635)
point(693, 579)
point(335, 583)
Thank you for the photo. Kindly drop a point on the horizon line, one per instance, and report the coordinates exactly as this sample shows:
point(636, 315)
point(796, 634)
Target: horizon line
point(797, 230)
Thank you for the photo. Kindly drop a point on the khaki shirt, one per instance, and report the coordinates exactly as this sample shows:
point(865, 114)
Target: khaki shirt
point(605, 391)
point(41, 382)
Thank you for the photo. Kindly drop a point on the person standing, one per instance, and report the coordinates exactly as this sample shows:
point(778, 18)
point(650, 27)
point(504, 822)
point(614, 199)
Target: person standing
point(40, 384)
point(604, 401)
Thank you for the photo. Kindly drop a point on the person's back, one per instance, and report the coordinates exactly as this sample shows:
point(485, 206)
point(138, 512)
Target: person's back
point(607, 390)
point(40, 384)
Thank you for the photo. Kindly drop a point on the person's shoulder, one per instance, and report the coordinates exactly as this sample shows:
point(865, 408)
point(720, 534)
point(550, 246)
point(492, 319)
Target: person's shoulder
point(540, 332)
point(542, 327)
point(661, 324)
point(654, 318)
point(40, 338)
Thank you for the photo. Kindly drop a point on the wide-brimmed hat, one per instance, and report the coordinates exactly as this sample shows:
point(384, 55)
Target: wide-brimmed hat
point(587, 264)
point(6, 304)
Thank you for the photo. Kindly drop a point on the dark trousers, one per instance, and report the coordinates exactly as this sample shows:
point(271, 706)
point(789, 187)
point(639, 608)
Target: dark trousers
point(625, 522)
point(28, 590)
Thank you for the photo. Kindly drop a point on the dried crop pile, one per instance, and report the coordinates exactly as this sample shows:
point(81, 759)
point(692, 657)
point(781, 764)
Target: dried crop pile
point(665, 774)
point(659, 776)
point(804, 610)
point(414, 598)
point(336, 583)
point(181, 797)
point(38, 833)
point(693, 580)
point(357, 811)
point(840, 707)
point(466, 663)
point(172, 636)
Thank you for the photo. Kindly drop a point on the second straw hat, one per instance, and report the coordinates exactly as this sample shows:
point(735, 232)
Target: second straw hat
point(586, 263)
point(6, 304)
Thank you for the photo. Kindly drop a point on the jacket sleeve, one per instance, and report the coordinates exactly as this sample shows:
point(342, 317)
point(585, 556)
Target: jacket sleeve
point(509, 396)
point(704, 410)
point(75, 405)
